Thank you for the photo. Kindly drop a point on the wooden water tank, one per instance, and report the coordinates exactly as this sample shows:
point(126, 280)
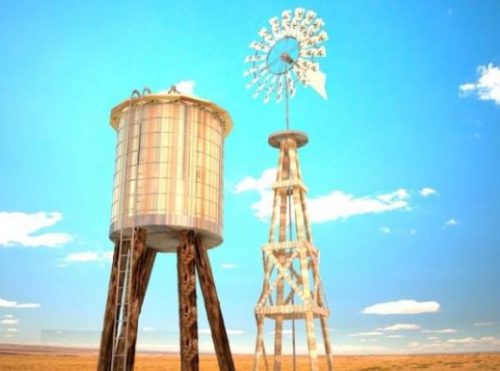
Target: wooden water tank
point(168, 169)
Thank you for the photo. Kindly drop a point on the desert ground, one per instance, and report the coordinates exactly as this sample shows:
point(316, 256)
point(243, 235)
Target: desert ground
point(14, 357)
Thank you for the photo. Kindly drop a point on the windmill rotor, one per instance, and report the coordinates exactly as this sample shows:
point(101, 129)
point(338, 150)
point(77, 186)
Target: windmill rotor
point(285, 55)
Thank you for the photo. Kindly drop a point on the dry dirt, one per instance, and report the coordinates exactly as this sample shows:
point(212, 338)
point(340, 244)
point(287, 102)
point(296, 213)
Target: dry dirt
point(61, 359)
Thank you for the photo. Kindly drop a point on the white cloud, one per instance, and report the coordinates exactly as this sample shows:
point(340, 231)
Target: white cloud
point(482, 324)
point(9, 321)
point(89, 256)
point(333, 206)
point(228, 266)
point(369, 333)
point(14, 304)
point(19, 229)
point(257, 184)
point(8, 316)
point(487, 86)
point(11, 330)
point(262, 185)
point(185, 87)
point(491, 340)
point(403, 307)
point(426, 192)
point(395, 336)
point(441, 331)
point(339, 205)
point(450, 223)
point(401, 326)
point(147, 329)
point(385, 230)
point(432, 338)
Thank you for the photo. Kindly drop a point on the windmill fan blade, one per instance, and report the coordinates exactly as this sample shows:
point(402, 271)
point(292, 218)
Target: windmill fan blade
point(259, 89)
point(255, 58)
point(259, 46)
point(275, 26)
point(291, 84)
point(270, 89)
point(264, 33)
point(252, 82)
point(262, 84)
point(286, 17)
point(313, 52)
point(255, 69)
point(279, 90)
point(299, 13)
point(310, 15)
point(267, 98)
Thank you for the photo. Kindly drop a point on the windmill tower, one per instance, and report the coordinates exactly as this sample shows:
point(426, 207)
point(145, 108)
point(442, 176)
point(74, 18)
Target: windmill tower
point(292, 289)
point(167, 197)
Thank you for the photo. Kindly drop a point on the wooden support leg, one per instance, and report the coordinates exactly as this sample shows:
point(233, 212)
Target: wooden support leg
point(259, 343)
point(186, 257)
point(105, 351)
point(278, 331)
point(142, 265)
point(311, 341)
point(278, 343)
point(326, 340)
point(212, 305)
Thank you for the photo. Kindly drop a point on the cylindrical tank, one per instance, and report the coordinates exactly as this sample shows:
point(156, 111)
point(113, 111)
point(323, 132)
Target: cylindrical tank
point(168, 169)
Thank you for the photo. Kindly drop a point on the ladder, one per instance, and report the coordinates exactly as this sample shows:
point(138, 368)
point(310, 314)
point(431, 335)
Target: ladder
point(120, 327)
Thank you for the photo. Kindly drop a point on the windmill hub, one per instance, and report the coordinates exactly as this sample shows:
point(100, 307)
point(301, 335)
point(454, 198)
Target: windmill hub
point(285, 57)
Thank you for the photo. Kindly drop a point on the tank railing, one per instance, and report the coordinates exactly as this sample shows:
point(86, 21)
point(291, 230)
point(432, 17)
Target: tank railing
point(135, 94)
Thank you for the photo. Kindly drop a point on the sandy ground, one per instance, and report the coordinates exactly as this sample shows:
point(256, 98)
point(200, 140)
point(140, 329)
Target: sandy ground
point(14, 357)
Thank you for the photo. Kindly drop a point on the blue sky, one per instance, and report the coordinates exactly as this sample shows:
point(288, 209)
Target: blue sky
point(402, 165)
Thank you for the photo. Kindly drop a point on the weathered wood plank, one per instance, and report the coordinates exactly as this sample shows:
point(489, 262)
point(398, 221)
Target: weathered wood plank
point(212, 305)
point(188, 317)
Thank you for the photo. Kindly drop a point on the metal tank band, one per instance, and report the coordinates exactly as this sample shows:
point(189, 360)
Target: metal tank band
point(168, 170)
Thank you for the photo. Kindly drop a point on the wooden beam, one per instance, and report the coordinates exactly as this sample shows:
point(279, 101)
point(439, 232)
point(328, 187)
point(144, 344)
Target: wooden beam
point(326, 341)
point(142, 265)
point(188, 318)
point(212, 305)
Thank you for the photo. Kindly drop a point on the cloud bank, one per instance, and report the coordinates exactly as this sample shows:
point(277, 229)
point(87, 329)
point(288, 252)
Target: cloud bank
point(20, 229)
point(325, 208)
point(14, 304)
point(487, 87)
point(403, 307)
point(89, 257)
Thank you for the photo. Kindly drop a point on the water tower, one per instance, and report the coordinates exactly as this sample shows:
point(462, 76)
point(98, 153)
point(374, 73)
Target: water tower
point(167, 197)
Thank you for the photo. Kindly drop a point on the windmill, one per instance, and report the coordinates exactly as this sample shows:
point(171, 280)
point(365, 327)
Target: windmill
point(284, 58)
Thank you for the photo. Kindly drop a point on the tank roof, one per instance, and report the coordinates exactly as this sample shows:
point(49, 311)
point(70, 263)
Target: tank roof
point(227, 123)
